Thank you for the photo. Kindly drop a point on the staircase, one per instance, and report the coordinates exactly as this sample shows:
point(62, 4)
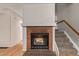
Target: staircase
point(64, 45)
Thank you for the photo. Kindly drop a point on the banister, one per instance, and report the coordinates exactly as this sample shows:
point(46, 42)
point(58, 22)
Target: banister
point(60, 21)
point(69, 26)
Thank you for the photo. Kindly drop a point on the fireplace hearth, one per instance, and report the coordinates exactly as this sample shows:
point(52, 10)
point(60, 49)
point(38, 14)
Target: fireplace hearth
point(39, 40)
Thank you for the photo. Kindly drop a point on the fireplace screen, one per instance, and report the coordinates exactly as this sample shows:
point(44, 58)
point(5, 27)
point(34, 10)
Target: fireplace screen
point(39, 40)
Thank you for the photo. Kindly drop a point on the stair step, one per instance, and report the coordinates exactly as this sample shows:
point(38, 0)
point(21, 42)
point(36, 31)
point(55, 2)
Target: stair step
point(62, 39)
point(68, 53)
point(65, 47)
point(65, 44)
point(58, 31)
point(68, 49)
point(60, 35)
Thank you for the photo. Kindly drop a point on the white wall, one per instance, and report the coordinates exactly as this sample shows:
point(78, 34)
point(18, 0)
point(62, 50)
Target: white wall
point(10, 33)
point(74, 15)
point(62, 11)
point(4, 28)
point(39, 14)
point(70, 13)
point(16, 33)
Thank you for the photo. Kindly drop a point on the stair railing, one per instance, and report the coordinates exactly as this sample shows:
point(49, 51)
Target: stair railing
point(74, 30)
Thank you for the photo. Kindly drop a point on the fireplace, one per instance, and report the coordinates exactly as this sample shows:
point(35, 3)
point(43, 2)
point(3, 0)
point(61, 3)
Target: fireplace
point(39, 40)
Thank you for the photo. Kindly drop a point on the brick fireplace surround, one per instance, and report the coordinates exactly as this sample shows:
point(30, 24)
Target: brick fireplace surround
point(27, 30)
point(39, 29)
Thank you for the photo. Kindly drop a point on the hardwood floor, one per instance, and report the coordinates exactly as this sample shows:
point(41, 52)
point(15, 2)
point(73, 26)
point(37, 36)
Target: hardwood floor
point(12, 51)
point(17, 51)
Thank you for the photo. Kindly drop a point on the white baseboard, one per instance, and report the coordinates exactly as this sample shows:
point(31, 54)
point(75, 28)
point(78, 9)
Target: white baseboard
point(4, 44)
point(74, 44)
point(24, 49)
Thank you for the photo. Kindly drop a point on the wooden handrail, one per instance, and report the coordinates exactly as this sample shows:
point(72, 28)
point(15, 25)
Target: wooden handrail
point(60, 21)
point(69, 26)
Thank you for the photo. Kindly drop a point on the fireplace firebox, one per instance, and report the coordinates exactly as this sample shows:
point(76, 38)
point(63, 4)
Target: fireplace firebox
point(39, 40)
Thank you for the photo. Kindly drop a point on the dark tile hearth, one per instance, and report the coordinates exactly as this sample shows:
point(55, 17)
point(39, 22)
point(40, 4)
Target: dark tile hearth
point(39, 53)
